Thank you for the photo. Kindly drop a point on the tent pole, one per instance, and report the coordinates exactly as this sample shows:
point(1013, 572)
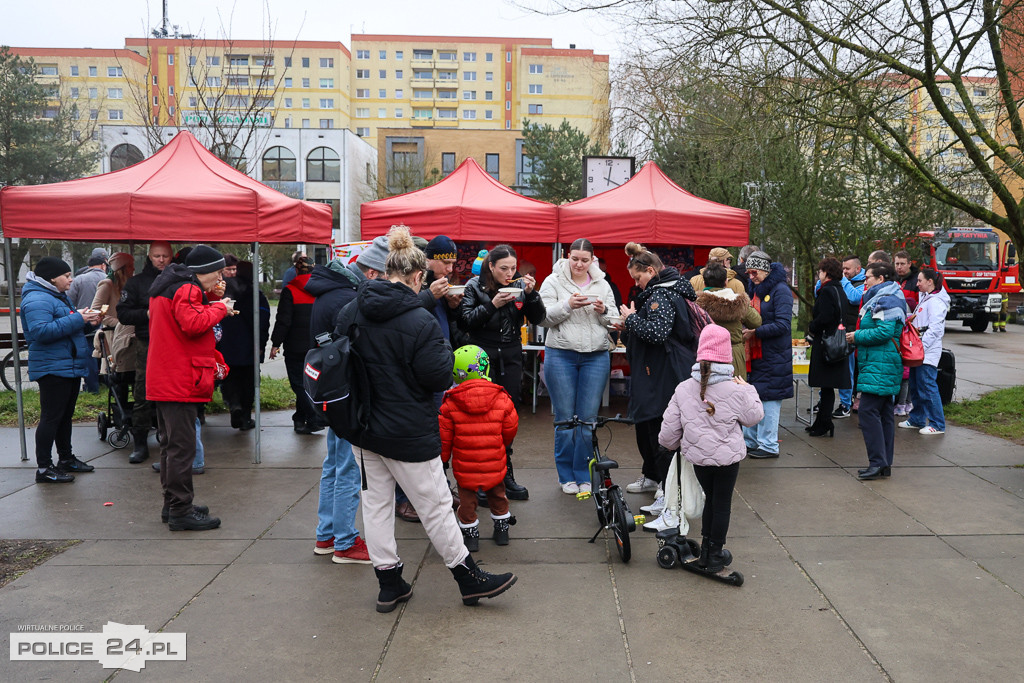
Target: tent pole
point(12, 277)
point(256, 459)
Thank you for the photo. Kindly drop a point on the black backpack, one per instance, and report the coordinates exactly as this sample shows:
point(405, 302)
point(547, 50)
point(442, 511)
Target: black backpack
point(334, 377)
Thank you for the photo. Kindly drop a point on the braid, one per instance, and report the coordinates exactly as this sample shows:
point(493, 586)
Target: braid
point(705, 373)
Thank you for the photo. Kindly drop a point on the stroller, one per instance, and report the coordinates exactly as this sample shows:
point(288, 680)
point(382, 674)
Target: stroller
point(115, 426)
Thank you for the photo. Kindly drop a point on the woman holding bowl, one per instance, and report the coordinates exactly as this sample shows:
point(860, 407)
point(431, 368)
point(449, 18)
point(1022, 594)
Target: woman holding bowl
point(493, 309)
point(577, 303)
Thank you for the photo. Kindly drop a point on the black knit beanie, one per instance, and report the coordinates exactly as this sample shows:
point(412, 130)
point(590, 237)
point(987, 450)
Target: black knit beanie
point(204, 259)
point(50, 267)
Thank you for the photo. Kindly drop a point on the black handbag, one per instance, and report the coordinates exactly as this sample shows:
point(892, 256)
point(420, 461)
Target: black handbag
point(835, 348)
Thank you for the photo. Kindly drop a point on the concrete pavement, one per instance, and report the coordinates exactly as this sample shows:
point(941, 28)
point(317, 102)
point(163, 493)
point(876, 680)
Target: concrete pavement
point(918, 577)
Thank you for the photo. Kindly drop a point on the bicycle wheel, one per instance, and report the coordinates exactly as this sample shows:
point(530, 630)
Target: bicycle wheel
point(8, 375)
point(620, 523)
point(600, 497)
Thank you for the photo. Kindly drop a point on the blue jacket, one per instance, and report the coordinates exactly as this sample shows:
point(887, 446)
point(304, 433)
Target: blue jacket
point(55, 332)
point(772, 373)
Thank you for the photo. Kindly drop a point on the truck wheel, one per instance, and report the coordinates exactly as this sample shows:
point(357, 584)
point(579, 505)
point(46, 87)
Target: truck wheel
point(979, 325)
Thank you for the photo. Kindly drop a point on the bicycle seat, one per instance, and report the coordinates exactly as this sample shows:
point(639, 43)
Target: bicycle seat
point(606, 464)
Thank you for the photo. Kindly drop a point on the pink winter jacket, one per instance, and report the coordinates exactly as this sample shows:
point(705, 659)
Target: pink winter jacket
point(710, 439)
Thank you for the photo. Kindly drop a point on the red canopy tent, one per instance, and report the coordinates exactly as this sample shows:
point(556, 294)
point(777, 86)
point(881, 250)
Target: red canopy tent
point(467, 206)
point(180, 193)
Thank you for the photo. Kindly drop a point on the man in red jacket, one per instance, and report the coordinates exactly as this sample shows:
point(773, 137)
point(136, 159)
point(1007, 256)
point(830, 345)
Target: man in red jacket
point(183, 364)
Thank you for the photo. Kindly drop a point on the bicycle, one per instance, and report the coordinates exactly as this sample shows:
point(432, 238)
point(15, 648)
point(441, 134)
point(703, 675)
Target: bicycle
point(8, 375)
point(612, 511)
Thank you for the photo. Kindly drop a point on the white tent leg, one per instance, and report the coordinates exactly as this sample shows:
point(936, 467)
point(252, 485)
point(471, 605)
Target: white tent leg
point(256, 459)
point(12, 277)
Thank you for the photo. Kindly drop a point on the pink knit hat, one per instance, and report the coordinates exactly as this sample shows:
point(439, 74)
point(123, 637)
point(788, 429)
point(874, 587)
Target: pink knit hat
point(715, 345)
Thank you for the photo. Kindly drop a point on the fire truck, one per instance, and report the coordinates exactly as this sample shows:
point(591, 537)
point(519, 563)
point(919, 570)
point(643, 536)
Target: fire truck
point(976, 269)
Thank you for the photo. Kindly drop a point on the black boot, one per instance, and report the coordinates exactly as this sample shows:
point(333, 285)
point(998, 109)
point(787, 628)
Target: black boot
point(475, 583)
point(471, 537)
point(702, 559)
point(513, 490)
point(393, 589)
point(718, 558)
point(141, 452)
point(501, 531)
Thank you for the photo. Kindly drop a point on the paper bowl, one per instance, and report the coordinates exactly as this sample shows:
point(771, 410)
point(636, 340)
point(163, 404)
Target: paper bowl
point(511, 290)
point(614, 319)
point(457, 289)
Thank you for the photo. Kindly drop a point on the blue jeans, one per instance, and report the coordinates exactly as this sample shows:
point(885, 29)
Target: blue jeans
point(765, 434)
point(924, 392)
point(200, 459)
point(575, 381)
point(846, 395)
point(339, 494)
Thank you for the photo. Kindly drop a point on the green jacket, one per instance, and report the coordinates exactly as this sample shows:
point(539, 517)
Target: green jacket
point(879, 365)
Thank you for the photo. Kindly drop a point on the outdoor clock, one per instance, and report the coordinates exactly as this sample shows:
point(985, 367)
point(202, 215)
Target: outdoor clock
point(605, 173)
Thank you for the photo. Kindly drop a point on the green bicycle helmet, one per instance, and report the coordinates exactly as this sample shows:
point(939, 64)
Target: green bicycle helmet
point(471, 362)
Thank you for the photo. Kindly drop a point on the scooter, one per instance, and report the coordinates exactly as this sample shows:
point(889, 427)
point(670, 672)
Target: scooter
point(675, 550)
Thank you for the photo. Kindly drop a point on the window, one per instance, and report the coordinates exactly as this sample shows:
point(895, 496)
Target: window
point(535, 89)
point(170, 90)
point(399, 93)
point(170, 60)
point(155, 80)
point(288, 63)
point(469, 94)
point(399, 54)
point(944, 91)
point(362, 73)
point(305, 123)
point(447, 163)
point(123, 156)
point(399, 74)
point(323, 165)
point(213, 81)
point(288, 122)
point(446, 95)
point(305, 82)
point(211, 102)
point(115, 114)
point(326, 83)
point(362, 112)
point(238, 81)
point(305, 103)
point(362, 93)
point(535, 108)
point(422, 113)
point(491, 162)
point(327, 123)
point(93, 93)
point(447, 113)
point(288, 82)
point(156, 100)
point(170, 110)
point(94, 114)
point(232, 155)
point(238, 60)
point(383, 54)
point(469, 56)
point(48, 71)
point(422, 54)
point(361, 54)
point(423, 94)
point(327, 103)
point(382, 73)
point(427, 75)
point(489, 57)
point(488, 75)
point(536, 68)
point(508, 105)
point(508, 86)
point(74, 93)
point(114, 72)
point(212, 61)
point(399, 113)
point(978, 92)
point(75, 135)
point(363, 132)
point(469, 75)
point(382, 93)
point(382, 113)
point(508, 57)
point(488, 94)
point(191, 60)
point(237, 101)
point(469, 113)
point(50, 113)
point(328, 62)
point(74, 69)
point(447, 75)
point(508, 125)
point(287, 103)
point(488, 114)
point(305, 65)
point(447, 56)
point(193, 102)
point(92, 71)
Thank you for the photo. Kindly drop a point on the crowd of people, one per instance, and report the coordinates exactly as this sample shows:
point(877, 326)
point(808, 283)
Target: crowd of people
point(709, 353)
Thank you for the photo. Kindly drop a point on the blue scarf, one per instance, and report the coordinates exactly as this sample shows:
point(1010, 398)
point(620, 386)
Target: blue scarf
point(885, 301)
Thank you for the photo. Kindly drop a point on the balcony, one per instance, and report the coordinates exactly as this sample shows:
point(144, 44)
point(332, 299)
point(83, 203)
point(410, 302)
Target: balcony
point(421, 64)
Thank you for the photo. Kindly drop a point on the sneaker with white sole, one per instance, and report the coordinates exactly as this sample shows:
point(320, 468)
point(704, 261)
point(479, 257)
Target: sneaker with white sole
point(570, 488)
point(656, 507)
point(585, 488)
point(906, 425)
point(667, 520)
point(357, 554)
point(324, 547)
point(642, 485)
point(928, 429)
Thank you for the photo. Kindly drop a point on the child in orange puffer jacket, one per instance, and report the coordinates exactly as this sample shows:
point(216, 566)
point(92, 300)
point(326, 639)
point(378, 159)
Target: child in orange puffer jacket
point(478, 421)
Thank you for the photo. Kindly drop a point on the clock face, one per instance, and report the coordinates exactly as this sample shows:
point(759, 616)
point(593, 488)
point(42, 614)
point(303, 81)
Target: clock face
point(605, 173)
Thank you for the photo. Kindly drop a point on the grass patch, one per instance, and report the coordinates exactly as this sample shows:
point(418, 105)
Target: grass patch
point(18, 557)
point(999, 413)
point(275, 394)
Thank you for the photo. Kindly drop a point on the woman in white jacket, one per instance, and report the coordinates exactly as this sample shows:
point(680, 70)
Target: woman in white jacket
point(578, 301)
point(930, 320)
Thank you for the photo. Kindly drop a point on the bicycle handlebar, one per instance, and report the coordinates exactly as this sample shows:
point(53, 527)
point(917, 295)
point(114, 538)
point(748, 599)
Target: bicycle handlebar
point(600, 421)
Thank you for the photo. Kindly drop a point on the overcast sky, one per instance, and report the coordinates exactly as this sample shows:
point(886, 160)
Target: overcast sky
point(72, 23)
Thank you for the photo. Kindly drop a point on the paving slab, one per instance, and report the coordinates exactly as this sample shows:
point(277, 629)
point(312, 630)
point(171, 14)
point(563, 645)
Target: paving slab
point(1000, 555)
point(1010, 479)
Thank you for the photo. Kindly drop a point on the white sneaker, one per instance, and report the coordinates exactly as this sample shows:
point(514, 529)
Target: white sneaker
point(660, 493)
point(571, 488)
point(668, 520)
point(584, 488)
point(906, 425)
point(928, 429)
point(642, 485)
point(656, 507)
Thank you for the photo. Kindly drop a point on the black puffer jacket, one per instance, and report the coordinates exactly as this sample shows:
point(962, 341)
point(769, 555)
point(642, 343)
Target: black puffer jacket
point(659, 344)
point(827, 314)
point(490, 326)
point(407, 359)
point(133, 309)
point(333, 291)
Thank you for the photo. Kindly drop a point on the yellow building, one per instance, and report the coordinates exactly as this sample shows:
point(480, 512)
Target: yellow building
point(467, 83)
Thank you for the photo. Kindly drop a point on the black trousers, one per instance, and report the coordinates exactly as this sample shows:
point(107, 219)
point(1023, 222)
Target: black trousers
point(239, 389)
point(57, 398)
point(647, 442)
point(142, 411)
point(718, 484)
point(305, 411)
point(827, 401)
point(176, 423)
point(878, 425)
